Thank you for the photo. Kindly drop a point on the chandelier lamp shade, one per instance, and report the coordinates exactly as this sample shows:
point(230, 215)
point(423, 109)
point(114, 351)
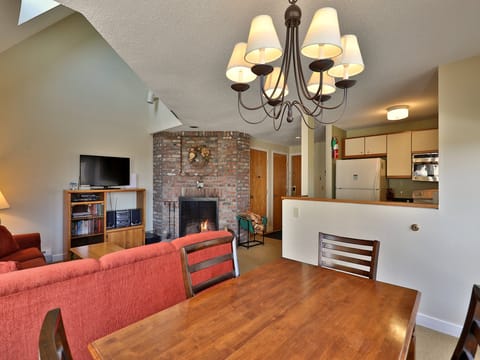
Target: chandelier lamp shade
point(333, 60)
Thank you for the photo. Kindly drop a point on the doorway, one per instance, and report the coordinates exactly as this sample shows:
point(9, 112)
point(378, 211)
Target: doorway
point(296, 180)
point(258, 182)
point(279, 188)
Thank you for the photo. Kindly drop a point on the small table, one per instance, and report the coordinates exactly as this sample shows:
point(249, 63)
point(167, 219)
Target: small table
point(282, 310)
point(95, 251)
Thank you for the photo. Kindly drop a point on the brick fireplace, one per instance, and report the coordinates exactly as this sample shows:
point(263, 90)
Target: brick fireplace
point(197, 164)
point(197, 214)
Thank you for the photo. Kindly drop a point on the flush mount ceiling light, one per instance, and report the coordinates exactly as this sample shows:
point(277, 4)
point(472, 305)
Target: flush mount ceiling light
point(333, 57)
point(397, 112)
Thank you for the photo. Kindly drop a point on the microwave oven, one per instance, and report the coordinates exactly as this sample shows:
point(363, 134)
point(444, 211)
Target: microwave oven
point(425, 167)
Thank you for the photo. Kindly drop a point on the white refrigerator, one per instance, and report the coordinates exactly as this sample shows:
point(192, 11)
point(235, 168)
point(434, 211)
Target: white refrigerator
point(361, 179)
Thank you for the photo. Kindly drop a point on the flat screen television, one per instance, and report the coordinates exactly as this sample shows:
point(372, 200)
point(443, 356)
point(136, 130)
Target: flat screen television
point(104, 171)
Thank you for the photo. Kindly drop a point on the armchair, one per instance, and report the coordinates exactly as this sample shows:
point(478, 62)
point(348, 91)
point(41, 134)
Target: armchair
point(22, 249)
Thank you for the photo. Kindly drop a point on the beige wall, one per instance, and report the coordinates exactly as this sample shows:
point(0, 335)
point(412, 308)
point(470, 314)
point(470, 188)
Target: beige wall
point(65, 92)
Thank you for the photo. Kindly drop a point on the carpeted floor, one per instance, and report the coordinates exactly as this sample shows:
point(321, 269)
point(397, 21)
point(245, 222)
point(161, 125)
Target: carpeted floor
point(277, 235)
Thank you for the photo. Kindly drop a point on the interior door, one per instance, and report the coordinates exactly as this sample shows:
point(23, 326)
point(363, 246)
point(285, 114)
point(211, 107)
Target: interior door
point(279, 188)
point(258, 182)
point(296, 175)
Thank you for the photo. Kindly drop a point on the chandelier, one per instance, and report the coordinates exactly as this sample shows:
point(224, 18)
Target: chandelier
point(335, 60)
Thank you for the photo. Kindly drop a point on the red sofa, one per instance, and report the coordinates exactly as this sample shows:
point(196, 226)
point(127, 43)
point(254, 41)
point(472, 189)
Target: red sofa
point(20, 251)
point(96, 297)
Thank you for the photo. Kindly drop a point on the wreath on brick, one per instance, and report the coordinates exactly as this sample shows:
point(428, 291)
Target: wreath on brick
point(199, 155)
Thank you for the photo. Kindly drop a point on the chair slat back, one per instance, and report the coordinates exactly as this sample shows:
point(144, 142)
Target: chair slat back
point(355, 256)
point(53, 344)
point(469, 339)
point(190, 268)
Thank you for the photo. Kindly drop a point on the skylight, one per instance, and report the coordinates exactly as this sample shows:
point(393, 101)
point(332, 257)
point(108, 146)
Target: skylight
point(30, 9)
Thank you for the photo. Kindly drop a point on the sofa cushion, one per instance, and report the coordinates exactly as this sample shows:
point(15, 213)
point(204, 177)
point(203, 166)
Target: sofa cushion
point(24, 255)
point(8, 244)
point(38, 261)
point(7, 266)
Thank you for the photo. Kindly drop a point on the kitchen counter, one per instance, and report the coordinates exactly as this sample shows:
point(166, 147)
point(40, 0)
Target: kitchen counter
point(386, 203)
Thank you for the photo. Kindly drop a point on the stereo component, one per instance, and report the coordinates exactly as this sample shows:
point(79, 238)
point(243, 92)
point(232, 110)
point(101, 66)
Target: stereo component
point(135, 217)
point(111, 217)
point(122, 218)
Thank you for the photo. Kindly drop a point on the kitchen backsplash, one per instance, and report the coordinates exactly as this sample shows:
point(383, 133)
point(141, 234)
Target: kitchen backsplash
point(403, 188)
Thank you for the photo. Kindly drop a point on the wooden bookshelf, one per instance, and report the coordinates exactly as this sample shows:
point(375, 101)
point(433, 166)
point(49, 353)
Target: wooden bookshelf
point(85, 219)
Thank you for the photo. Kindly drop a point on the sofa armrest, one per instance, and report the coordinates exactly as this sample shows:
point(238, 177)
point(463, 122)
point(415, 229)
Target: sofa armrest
point(26, 241)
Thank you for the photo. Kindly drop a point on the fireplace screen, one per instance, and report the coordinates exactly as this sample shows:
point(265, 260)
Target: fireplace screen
point(197, 214)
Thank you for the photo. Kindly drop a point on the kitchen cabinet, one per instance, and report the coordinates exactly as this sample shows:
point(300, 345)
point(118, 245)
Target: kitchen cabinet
point(367, 146)
point(425, 140)
point(127, 237)
point(354, 147)
point(376, 145)
point(399, 155)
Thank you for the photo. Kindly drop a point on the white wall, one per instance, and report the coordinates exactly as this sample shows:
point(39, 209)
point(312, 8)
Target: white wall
point(65, 92)
point(440, 260)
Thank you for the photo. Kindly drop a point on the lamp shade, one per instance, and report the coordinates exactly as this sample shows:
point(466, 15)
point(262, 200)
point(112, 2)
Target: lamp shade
point(350, 63)
point(397, 112)
point(328, 85)
point(271, 81)
point(3, 202)
point(238, 70)
point(263, 44)
point(323, 36)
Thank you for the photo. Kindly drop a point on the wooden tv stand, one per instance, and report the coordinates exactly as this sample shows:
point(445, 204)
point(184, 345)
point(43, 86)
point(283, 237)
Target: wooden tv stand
point(85, 219)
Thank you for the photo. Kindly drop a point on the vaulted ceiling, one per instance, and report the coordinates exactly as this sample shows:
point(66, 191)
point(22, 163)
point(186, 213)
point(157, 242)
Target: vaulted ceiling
point(180, 49)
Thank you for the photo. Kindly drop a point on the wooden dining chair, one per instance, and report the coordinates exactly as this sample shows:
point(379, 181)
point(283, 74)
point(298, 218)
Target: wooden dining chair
point(469, 339)
point(200, 275)
point(355, 256)
point(53, 344)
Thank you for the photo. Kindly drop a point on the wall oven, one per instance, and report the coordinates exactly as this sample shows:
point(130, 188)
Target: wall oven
point(425, 167)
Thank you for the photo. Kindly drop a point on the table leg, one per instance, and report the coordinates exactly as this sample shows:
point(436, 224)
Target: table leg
point(411, 348)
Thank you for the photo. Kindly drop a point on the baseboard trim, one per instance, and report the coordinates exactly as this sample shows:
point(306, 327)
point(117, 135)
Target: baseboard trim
point(439, 325)
point(57, 258)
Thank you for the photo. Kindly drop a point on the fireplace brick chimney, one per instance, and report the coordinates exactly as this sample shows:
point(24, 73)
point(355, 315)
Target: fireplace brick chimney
point(226, 175)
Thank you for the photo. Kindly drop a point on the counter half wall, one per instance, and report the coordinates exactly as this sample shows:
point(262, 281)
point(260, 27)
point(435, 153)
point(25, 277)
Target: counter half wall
point(406, 258)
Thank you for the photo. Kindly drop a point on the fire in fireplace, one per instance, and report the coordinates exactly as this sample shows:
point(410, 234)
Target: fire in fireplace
point(197, 214)
point(204, 225)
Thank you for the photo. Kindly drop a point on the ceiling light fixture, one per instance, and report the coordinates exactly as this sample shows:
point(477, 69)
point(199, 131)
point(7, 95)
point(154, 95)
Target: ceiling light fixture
point(334, 56)
point(397, 112)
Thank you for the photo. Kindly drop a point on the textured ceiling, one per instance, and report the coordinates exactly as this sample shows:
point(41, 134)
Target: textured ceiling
point(180, 49)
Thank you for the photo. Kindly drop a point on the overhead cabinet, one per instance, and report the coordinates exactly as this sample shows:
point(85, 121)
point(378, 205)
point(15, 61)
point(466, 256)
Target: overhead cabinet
point(354, 147)
point(367, 146)
point(425, 140)
point(399, 155)
point(376, 145)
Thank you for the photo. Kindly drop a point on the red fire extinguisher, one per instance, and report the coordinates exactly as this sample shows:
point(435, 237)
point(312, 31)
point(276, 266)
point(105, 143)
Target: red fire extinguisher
point(334, 144)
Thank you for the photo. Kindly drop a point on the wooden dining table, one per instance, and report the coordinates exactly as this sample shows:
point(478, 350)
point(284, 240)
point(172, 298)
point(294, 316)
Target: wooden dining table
point(282, 310)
